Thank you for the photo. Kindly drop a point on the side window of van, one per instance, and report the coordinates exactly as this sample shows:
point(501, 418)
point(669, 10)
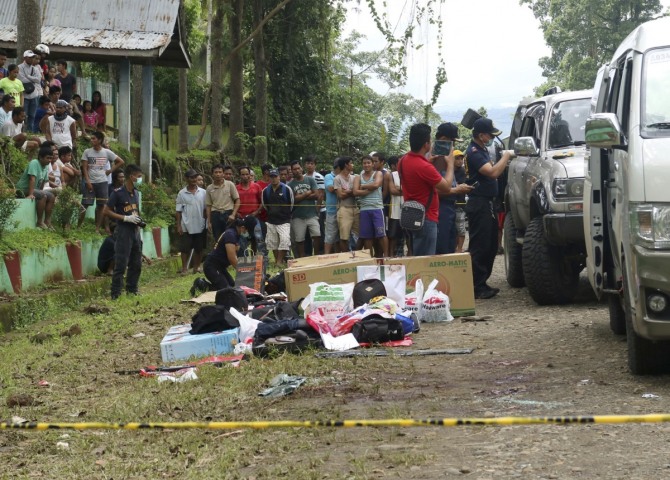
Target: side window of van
point(532, 123)
point(528, 124)
point(614, 84)
point(623, 103)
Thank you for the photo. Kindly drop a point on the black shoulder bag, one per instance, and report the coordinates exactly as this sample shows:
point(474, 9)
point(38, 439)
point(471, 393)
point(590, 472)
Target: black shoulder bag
point(413, 213)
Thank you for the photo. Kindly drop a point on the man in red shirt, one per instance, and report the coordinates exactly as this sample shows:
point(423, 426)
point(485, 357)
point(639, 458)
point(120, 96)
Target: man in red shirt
point(420, 182)
point(250, 204)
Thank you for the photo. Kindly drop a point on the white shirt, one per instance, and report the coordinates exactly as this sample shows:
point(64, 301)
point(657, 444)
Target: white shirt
point(11, 129)
point(396, 200)
point(192, 208)
point(60, 130)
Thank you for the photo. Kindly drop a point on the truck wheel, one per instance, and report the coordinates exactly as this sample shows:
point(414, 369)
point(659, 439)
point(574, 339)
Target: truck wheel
point(513, 267)
point(550, 279)
point(617, 314)
point(645, 357)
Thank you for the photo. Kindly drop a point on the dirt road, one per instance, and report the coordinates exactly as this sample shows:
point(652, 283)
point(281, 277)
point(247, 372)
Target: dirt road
point(528, 361)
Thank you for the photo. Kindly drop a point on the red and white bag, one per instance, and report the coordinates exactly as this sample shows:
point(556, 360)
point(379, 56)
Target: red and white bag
point(435, 305)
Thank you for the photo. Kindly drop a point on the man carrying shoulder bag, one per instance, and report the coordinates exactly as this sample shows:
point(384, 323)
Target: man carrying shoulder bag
point(421, 182)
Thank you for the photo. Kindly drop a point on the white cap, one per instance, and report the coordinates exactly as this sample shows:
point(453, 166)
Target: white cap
point(28, 53)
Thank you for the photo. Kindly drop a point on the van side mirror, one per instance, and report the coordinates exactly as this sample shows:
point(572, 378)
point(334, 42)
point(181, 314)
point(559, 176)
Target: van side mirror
point(525, 147)
point(604, 131)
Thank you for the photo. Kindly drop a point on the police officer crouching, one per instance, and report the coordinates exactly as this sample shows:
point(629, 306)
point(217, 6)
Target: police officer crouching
point(123, 208)
point(224, 253)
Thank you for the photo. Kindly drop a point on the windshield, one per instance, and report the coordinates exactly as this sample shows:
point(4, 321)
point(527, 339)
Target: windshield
point(656, 102)
point(568, 119)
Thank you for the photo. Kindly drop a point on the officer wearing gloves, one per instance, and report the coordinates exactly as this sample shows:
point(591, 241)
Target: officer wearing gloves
point(123, 208)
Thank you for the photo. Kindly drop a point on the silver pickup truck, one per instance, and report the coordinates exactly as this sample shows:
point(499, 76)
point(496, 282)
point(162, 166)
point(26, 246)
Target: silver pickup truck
point(543, 231)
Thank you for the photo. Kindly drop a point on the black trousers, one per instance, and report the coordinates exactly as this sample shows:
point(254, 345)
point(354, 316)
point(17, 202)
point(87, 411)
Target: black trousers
point(217, 274)
point(127, 254)
point(483, 244)
point(219, 223)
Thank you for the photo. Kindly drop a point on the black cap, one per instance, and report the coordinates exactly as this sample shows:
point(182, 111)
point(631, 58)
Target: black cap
point(448, 130)
point(485, 125)
point(274, 172)
point(249, 222)
point(190, 173)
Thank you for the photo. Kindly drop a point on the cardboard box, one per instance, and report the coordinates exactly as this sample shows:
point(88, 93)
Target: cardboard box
point(178, 344)
point(299, 279)
point(454, 273)
point(329, 259)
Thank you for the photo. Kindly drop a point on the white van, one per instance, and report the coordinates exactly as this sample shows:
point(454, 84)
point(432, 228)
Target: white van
point(627, 194)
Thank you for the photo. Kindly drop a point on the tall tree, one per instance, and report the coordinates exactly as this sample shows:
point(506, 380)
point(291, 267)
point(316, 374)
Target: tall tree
point(136, 105)
point(217, 73)
point(261, 90)
point(183, 93)
point(29, 26)
point(236, 118)
point(583, 34)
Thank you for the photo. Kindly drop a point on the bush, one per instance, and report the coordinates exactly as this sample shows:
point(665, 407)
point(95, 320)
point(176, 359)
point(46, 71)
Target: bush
point(158, 207)
point(8, 204)
point(66, 210)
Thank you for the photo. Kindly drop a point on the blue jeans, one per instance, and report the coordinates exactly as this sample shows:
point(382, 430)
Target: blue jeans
point(260, 242)
point(424, 241)
point(30, 106)
point(446, 229)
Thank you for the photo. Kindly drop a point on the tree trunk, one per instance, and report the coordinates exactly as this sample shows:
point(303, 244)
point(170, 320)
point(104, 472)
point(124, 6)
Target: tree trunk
point(183, 110)
point(217, 75)
point(236, 121)
point(183, 96)
point(28, 28)
point(136, 106)
point(260, 143)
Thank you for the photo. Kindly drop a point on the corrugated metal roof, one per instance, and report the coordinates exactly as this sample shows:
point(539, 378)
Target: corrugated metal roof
point(158, 16)
point(142, 26)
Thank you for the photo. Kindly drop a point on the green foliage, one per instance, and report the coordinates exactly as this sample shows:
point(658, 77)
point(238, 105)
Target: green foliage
point(66, 210)
point(7, 204)
point(12, 160)
point(158, 206)
point(583, 34)
point(29, 239)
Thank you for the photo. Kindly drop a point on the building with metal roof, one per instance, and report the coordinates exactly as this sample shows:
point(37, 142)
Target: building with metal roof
point(146, 32)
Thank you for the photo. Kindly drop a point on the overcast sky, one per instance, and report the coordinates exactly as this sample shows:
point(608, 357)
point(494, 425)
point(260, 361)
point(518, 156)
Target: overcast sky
point(491, 51)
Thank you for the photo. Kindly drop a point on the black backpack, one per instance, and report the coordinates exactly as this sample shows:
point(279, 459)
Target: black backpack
point(212, 318)
point(366, 290)
point(232, 297)
point(378, 329)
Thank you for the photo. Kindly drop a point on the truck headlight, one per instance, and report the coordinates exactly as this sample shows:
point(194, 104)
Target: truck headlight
point(650, 225)
point(568, 188)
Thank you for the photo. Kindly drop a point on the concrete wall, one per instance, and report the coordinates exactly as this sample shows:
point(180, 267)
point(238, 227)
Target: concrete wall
point(40, 267)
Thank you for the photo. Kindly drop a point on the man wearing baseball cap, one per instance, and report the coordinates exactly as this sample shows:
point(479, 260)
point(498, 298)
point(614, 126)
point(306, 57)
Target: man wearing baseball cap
point(446, 225)
point(482, 222)
point(31, 76)
point(277, 199)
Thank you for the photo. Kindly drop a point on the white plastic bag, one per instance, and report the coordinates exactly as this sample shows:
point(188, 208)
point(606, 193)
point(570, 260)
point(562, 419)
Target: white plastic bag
point(332, 300)
point(392, 276)
point(414, 300)
point(247, 325)
point(435, 305)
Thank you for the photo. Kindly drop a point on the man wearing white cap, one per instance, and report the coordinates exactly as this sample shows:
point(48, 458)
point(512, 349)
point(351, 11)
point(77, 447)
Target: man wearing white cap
point(31, 76)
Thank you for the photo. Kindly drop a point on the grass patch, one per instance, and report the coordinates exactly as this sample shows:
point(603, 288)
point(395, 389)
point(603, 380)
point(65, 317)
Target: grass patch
point(84, 388)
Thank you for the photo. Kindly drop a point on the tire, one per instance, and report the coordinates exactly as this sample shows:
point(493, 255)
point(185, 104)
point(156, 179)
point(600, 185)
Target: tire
point(645, 357)
point(550, 279)
point(513, 254)
point(617, 314)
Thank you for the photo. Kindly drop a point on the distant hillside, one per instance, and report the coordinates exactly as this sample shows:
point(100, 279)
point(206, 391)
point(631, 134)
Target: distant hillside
point(502, 117)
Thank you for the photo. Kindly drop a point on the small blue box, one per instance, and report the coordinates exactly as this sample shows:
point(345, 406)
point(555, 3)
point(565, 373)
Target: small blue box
point(178, 344)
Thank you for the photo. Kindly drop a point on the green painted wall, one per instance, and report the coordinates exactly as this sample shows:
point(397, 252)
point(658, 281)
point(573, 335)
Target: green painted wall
point(24, 216)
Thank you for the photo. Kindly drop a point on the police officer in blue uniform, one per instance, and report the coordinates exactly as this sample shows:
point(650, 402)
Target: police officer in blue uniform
point(123, 208)
point(482, 221)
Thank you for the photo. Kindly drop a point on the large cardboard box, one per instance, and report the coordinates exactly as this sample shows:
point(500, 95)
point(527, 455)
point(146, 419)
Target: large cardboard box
point(454, 273)
point(299, 279)
point(328, 259)
point(178, 344)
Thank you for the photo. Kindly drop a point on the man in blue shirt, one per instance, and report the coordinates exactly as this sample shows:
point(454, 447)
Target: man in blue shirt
point(332, 232)
point(482, 221)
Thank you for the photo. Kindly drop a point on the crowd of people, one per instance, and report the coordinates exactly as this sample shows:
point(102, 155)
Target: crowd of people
point(295, 211)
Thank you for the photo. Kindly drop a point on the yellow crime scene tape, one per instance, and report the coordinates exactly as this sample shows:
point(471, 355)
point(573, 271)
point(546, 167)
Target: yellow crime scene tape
point(259, 425)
